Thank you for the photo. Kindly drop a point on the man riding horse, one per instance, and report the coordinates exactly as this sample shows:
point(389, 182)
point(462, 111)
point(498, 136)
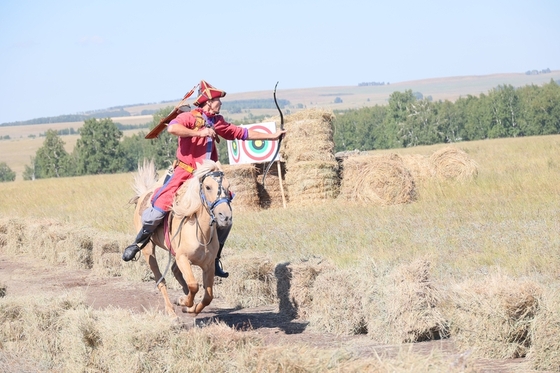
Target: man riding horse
point(197, 132)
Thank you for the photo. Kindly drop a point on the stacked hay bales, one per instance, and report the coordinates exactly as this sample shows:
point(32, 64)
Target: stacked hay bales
point(311, 168)
point(272, 193)
point(377, 179)
point(243, 183)
point(450, 163)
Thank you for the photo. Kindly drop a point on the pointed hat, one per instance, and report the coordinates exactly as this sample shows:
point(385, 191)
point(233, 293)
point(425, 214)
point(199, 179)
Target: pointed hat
point(207, 92)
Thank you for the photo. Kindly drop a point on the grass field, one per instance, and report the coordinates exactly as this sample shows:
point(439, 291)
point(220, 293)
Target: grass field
point(482, 255)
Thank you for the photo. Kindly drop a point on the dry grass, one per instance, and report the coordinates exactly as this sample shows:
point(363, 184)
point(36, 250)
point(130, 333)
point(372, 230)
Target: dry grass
point(397, 268)
point(62, 334)
point(545, 333)
point(494, 315)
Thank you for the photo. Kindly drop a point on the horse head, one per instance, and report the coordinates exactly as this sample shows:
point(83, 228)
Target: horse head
point(216, 197)
point(208, 190)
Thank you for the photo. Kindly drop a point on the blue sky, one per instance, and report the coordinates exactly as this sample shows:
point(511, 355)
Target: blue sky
point(68, 56)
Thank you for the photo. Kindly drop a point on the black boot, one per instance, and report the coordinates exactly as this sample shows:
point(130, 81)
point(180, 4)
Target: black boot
point(218, 265)
point(141, 239)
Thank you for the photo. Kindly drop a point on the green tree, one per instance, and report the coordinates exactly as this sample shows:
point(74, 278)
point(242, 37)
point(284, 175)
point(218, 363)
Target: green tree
point(391, 135)
point(51, 159)
point(477, 115)
point(420, 125)
point(134, 149)
point(506, 111)
point(541, 109)
point(6, 173)
point(98, 149)
point(450, 121)
point(29, 171)
point(163, 149)
point(357, 129)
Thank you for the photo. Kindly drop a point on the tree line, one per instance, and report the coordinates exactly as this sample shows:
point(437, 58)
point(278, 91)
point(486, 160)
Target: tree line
point(408, 121)
point(405, 121)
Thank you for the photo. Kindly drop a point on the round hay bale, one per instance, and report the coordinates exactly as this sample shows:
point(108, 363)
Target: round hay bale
point(378, 179)
point(451, 163)
point(420, 166)
point(243, 183)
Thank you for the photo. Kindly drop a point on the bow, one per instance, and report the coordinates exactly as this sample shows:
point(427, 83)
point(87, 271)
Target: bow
point(279, 140)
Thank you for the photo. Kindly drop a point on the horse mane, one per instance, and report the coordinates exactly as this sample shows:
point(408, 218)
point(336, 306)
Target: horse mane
point(187, 201)
point(145, 179)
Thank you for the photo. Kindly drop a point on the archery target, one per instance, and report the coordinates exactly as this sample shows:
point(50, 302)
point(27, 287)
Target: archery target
point(253, 151)
point(234, 151)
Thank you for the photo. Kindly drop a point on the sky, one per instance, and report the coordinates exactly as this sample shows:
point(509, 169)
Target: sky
point(69, 56)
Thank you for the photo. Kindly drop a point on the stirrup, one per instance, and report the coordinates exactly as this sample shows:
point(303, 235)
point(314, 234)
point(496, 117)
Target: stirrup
point(219, 270)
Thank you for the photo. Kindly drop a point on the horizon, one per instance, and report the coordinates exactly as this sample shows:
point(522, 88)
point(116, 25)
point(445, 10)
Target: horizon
point(170, 101)
point(62, 56)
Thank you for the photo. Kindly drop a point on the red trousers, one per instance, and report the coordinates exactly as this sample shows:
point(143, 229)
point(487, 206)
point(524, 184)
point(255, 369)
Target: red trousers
point(163, 196)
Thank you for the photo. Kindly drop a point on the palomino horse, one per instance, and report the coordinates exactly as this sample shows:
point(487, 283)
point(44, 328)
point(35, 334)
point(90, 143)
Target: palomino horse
point(189, 231)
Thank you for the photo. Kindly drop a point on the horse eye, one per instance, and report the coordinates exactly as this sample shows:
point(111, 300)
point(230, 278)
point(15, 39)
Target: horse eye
point(208, 187)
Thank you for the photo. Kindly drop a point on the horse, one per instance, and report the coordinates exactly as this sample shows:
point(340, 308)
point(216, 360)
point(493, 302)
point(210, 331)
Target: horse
point(189, 231)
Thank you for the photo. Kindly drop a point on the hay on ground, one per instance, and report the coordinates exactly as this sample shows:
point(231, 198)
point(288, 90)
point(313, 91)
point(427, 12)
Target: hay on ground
point(337, 303)
point(544, 354)
point(378, 179)
point(451, 163)
point(295, 283)
point(410, 304)
point(251, 284)
point(308, 150)
point(494, 315)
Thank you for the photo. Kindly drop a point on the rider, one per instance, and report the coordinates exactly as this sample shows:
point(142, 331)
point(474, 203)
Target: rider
point(196, 131)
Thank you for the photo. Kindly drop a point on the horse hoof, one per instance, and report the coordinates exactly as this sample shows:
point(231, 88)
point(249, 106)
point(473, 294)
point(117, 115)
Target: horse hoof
point(182, 301)
point(189, 309)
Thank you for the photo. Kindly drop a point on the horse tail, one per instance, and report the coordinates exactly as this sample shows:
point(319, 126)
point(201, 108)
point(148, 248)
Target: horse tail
point(145, 179)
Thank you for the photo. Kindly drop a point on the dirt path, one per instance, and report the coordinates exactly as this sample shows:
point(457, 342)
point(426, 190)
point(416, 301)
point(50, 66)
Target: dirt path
point(22, 277)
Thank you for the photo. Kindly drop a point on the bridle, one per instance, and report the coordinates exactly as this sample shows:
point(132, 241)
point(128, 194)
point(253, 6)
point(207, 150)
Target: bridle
point(223, 195)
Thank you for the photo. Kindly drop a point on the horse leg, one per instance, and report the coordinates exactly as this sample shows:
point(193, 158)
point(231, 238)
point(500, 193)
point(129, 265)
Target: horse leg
point(179, 277)
point(208, 283)
point(184, 266)
point(150, 256)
